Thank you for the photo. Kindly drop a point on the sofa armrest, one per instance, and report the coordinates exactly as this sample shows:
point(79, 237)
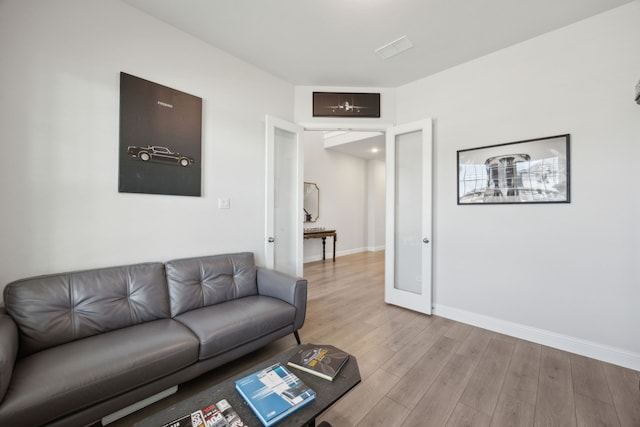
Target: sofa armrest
point(288, 288)
point(8, 351)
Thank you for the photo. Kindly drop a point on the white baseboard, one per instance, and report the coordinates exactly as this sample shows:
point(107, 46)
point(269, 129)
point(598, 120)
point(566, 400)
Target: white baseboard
point(329, 254)
point(563, 342)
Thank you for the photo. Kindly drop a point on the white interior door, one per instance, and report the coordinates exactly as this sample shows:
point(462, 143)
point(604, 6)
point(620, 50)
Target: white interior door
point(284, 186)
point(408, 253)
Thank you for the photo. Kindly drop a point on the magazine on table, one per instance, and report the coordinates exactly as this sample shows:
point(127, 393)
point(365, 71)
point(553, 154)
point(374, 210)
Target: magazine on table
point(220, 414)
point(274, 393)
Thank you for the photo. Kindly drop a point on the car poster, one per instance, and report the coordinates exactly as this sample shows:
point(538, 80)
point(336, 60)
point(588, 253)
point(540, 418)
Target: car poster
point(160, 139)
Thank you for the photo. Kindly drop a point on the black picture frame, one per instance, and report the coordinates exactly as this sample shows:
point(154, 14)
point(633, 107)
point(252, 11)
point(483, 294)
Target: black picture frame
point(160, 150)
point(346, 104)
point(529, 171)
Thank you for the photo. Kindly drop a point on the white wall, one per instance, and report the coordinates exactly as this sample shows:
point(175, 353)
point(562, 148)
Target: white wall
point(567, 274)
point(59, 80)
point(376, 205)
point(342, 180)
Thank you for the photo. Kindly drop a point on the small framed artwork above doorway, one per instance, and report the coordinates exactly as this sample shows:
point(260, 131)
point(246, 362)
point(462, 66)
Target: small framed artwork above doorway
point(346, 104)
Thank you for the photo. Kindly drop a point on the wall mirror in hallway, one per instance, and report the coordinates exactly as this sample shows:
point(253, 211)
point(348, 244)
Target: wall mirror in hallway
point(311, 202)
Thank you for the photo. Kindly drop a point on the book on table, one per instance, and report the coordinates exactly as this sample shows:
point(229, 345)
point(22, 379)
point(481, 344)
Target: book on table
point(274, 393)
point(324, 361)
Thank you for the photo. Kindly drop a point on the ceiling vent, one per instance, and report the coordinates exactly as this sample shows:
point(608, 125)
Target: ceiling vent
point(393, 48)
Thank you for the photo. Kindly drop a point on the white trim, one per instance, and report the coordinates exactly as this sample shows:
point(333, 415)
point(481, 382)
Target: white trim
point(347, 126)
point(563, 342)
point(422, 301)
point(271, 124)
point(329, 254)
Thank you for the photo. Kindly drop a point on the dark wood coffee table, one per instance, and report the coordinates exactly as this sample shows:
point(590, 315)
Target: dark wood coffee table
point(327, 393)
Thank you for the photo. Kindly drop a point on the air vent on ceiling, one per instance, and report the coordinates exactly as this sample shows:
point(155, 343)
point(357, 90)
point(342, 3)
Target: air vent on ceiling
point(393, 48)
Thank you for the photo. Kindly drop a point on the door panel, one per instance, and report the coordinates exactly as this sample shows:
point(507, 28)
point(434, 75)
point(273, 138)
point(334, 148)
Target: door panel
point(408, 257)
point(284, 181)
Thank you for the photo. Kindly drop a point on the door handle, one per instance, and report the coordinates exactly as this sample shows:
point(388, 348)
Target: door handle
point(425, 240)
point(271, 240)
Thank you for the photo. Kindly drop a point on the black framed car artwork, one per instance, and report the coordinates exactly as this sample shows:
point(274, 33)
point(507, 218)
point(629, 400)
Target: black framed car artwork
point(160, 139)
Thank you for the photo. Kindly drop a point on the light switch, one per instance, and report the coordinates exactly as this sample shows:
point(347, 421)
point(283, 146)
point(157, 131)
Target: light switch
point(224, 203)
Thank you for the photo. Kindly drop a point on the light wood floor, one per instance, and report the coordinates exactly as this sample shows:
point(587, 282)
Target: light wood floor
point(429, 371)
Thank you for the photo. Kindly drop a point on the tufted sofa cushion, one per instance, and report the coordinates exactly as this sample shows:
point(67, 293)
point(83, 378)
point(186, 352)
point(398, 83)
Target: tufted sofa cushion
point(56, 309)
point(204, 281)
point(8, 351)
point(237, 322)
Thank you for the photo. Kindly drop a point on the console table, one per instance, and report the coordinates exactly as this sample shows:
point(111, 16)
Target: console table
point(323, 234)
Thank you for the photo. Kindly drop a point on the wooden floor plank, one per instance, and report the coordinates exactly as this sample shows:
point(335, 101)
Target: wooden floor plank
point(413, 385)
point(407, 357)
point(592, 412)
point(464, 416)
point(484, 387)
point(475, 344)
point(521, 381)
point(513, 412)
point(373, 360)
point(589, 378)
point(624, 385)
point(441, 398)
point(352, 408)
point(555, 405)
point(386, 413)
point(459, 331)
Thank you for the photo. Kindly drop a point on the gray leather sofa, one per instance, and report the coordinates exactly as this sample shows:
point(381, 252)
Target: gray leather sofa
point(78, 346)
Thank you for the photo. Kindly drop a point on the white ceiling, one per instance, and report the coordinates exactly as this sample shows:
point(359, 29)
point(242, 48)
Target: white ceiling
point(332, 42)
point(366, 145)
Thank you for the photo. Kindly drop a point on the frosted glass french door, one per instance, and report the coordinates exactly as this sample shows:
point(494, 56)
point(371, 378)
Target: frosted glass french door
point(284, 182)
point(408, 248)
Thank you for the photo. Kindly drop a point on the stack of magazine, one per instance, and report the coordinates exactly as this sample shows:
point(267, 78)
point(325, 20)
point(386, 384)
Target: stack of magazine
point(324, 361)
point(274, 393)
point(220, 414)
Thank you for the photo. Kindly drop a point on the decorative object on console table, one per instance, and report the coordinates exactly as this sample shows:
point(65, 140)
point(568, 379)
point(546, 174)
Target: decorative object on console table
point(274, 393)
point(346, 104)
point(321, 233)
point(311, 202)
point(531, 171)
point(324, 361)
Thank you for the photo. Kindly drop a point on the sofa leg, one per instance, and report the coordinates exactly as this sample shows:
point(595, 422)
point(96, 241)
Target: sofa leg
point(295, 333)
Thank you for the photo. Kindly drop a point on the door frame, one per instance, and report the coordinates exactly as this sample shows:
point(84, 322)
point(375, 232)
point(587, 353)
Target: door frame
point(422, 302)
point(428, 224)
point(271, 124)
